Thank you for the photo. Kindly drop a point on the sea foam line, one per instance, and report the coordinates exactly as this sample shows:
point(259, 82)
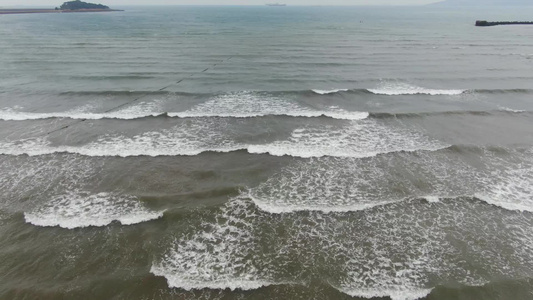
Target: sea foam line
point(10, 115)
point(176, 281)
point(399, 88)
point(340, 114)
point(510, 206)
point(279, 209)
point(145, 148)
point(327, 92)
point(394, 294)
point(415, 91)
point(275, 208)
point(295, 151)
point(396, 90)
point(111, 150)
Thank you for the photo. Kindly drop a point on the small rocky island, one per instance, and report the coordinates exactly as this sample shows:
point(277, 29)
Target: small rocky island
point(79, 5)
point(67, 7)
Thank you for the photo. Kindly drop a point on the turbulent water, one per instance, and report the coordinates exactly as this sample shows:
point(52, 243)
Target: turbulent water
point(266, 153)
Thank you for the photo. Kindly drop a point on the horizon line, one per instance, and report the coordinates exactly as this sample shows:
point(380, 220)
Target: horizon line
point(266, 4)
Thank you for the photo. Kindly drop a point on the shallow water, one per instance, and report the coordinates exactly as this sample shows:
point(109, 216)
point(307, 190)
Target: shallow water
point(266, 153)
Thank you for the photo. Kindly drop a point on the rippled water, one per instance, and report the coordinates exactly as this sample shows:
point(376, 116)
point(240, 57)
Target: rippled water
point(266, 153)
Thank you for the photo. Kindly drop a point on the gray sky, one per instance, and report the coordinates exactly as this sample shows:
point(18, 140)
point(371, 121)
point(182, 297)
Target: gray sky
point(53, 3)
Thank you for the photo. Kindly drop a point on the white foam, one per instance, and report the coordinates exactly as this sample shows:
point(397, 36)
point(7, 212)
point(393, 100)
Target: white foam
point(31, 147)
point(432, 199)
point(140, 110)
point(394, 89)
point(505, 203)
point(354, 140)
point(401, 293)
point(326, 92)
point(510, 109)
point(358, 139)
point(184, 139)
point(25, 177)
point(508, 183)
point(327, 185)
point(234, 105)
point(248, 105)
point(229, 252)
point(149, 144)
point(15, 113)
point(78, 209)
point(332, 184)
point(345, 115)
point(339, 114)
point(512, 190)
point(322, 206)
point(176, 281)
point(218, 255)
point(178, 141)
point(401, 251)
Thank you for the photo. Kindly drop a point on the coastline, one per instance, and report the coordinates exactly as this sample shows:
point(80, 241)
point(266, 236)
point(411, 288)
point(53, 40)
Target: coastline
point(51, 11)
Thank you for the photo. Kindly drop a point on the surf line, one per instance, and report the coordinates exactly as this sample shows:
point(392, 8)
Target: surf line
point(146, 94)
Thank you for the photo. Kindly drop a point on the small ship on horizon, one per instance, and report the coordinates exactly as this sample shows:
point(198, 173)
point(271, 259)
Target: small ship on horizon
point(276, 4)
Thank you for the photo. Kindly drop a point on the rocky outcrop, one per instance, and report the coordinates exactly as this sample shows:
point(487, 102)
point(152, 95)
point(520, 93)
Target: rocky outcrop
point(78, 5)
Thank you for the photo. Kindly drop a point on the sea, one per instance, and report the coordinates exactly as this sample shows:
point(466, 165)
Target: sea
point(254, 152)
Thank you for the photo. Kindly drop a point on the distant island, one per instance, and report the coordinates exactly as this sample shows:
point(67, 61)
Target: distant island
point(67, 7)
point(77, 5)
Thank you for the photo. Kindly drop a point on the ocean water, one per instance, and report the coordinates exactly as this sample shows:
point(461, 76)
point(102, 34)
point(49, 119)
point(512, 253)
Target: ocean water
point(266, 153)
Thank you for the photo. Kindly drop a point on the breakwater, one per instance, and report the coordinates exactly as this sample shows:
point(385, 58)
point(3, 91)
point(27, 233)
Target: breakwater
point(487, 23)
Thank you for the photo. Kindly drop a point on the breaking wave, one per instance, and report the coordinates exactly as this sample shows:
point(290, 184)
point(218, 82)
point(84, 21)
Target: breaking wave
point(326, 92)
point(357, 140)
point(398, 89)
point(408, 115)
point(232, 105)
point(245, 104)
point(400, 293)
point(138, 113)
point(80, 209)
point(336, 184)
point(395, 89)
point(353, 140)
point(244, 248)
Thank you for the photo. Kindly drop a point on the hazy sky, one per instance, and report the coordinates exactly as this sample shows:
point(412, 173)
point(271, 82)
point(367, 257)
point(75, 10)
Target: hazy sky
point(53, 3)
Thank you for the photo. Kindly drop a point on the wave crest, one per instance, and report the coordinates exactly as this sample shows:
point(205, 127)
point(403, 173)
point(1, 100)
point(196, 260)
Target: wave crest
point(404, 293)
point(78, 210)
point(327, 92)
point(354, 139)
point(396, 89)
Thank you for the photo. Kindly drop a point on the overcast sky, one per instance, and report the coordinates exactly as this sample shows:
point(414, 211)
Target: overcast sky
point(53, 3)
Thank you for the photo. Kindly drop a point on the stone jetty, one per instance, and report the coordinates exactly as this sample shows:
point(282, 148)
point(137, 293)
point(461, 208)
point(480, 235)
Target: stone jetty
point(487, 23)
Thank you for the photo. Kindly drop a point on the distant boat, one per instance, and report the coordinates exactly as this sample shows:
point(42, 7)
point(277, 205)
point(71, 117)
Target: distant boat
point(276, 4)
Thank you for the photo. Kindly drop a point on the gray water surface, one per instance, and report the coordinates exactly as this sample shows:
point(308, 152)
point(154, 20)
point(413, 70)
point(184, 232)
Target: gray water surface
point(266, 153)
